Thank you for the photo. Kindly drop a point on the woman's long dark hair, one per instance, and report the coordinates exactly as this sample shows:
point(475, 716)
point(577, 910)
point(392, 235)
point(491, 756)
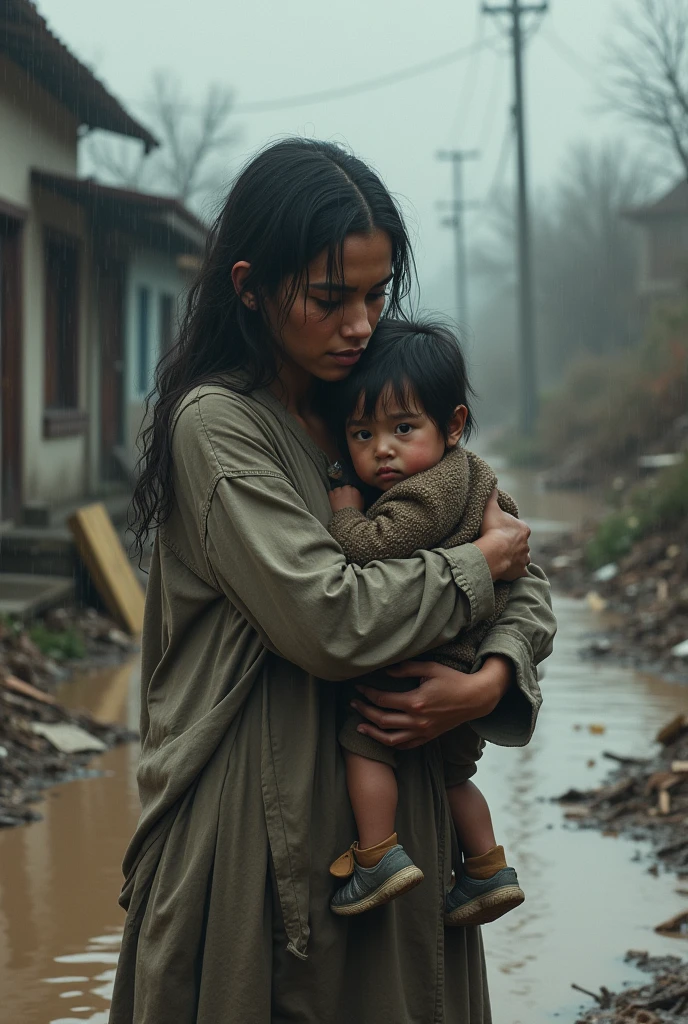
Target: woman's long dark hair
point(296, 199)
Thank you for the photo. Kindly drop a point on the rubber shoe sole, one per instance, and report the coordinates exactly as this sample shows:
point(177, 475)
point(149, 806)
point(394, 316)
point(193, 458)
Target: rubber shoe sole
point(403, 881)
point(487, 907)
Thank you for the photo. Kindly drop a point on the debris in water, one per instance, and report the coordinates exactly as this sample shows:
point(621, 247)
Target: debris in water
point(680, 650)
point(647, 799)
point(41, 741)
point(666, 993)
point(595, 602)
point(606, 572)
point(68, 738)
point(676, 927)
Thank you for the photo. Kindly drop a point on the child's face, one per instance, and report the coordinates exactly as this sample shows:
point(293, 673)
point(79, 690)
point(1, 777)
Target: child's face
point(396, 443)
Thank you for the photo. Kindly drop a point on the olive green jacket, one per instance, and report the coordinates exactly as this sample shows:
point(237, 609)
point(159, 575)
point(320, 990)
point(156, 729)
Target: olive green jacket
point(252, 618)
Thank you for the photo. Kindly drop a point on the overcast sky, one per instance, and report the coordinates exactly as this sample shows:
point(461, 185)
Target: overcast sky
point(269, 49)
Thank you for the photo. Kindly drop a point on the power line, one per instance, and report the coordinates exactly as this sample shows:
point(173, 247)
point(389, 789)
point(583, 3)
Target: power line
point(367, 85)
point(528, 362)
point(502, 163)
point(490, 109)
point(581, 66)
point(470, 81)
point(341, 92)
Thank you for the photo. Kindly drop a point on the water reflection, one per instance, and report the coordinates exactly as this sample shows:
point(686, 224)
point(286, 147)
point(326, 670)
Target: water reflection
point(59, 879)
point(588, 898)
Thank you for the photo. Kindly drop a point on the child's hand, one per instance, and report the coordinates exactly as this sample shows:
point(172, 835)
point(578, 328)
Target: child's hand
point(346, 497)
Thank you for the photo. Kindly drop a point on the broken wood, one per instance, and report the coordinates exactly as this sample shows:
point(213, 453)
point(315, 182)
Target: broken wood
point(672, 730)
point(659, 781)
point(107, 562)
point(614, 793)
point(679, 766)
point(26, 689)
point(603, 999)
point(664, 802)
point(676, 927)
point(624, 760)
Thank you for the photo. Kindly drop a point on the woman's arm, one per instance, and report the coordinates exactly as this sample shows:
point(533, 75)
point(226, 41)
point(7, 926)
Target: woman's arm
point(500, 698)
point(285, 572)
point(523, 633)
point(276, 561)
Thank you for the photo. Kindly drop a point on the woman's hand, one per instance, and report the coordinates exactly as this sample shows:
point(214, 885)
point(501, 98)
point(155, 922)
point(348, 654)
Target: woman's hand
point(504, 542)
point(444, 699)
point(346, 497)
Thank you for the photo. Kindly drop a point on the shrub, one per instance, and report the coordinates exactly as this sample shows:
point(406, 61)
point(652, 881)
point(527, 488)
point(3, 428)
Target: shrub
point(66, 644)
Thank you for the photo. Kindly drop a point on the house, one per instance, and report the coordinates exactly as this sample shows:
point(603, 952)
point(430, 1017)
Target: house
point(663, 229)
point(90, 280)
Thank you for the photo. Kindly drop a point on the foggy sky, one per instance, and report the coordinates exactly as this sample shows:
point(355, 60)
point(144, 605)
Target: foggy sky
point(269, 48)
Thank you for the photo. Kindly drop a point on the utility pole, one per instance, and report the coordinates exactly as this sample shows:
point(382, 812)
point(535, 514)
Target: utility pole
point(529, 388)
point(455, 221)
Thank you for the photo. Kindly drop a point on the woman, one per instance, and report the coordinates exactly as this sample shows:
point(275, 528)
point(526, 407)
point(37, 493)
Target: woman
point(252, 619)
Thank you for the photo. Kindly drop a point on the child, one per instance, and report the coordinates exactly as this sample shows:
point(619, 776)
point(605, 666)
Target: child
point(404, 409)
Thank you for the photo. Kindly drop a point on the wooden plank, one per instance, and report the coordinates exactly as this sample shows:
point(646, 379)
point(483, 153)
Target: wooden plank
point(107, 562)
point(26, 689)
point(672, 730)
point(679, 766)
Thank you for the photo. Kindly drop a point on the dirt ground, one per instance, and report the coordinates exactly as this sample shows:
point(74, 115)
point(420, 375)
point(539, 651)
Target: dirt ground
point(644, 596)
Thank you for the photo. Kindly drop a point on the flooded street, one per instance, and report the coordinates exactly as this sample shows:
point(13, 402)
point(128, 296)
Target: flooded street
point(589, 897)
point(59, 878)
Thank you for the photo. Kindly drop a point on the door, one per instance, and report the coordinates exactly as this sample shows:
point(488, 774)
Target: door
point(112, 444)
point(10, 368)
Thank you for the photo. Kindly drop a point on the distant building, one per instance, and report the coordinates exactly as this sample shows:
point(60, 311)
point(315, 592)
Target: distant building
point(90, 279)
point(663, 245)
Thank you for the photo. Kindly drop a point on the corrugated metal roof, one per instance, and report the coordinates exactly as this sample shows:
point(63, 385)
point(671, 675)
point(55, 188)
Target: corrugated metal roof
point(26, 39)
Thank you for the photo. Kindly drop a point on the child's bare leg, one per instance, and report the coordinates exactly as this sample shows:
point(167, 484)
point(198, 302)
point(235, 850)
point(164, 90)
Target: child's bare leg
point(373, 793)
point(472, 819)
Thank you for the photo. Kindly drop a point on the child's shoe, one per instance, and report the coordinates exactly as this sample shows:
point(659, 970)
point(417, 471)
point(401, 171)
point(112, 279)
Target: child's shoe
point(394, 875)
point(481, 900)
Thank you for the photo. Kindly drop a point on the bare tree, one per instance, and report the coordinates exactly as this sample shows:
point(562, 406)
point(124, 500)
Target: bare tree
point(187, 163)
point(584, 255)
point(648, 71)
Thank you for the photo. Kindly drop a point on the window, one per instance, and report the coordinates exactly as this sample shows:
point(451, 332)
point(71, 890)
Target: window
point(143, 312)
point(61, 323)
point(166, 324)
point(61, 416)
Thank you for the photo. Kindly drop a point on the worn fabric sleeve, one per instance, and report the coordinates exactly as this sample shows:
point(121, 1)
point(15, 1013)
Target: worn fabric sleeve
point(280, 565)
point(524, 633)
point(398, 529)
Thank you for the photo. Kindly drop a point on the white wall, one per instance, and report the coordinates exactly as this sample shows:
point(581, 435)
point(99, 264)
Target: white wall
point(36, 132)
point(159, 274)
point(54, 468)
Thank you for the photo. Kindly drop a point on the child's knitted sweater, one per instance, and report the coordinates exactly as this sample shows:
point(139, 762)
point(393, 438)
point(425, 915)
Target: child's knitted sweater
point(440, 507)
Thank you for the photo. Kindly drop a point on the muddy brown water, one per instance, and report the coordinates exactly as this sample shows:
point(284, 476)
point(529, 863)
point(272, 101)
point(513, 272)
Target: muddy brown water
point(589, 897)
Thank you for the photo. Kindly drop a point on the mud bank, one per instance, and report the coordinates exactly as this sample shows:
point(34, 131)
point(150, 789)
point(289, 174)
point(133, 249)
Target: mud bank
point(663, 999)
point(41, 741)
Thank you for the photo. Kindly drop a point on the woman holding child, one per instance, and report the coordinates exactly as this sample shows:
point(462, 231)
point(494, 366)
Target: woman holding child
point(256, 619)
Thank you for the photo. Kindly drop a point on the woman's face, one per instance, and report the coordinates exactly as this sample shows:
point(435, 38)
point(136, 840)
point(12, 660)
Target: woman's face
point(327, 331)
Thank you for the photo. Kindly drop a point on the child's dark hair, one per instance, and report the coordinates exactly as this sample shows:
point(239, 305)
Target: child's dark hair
point(409, 360)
